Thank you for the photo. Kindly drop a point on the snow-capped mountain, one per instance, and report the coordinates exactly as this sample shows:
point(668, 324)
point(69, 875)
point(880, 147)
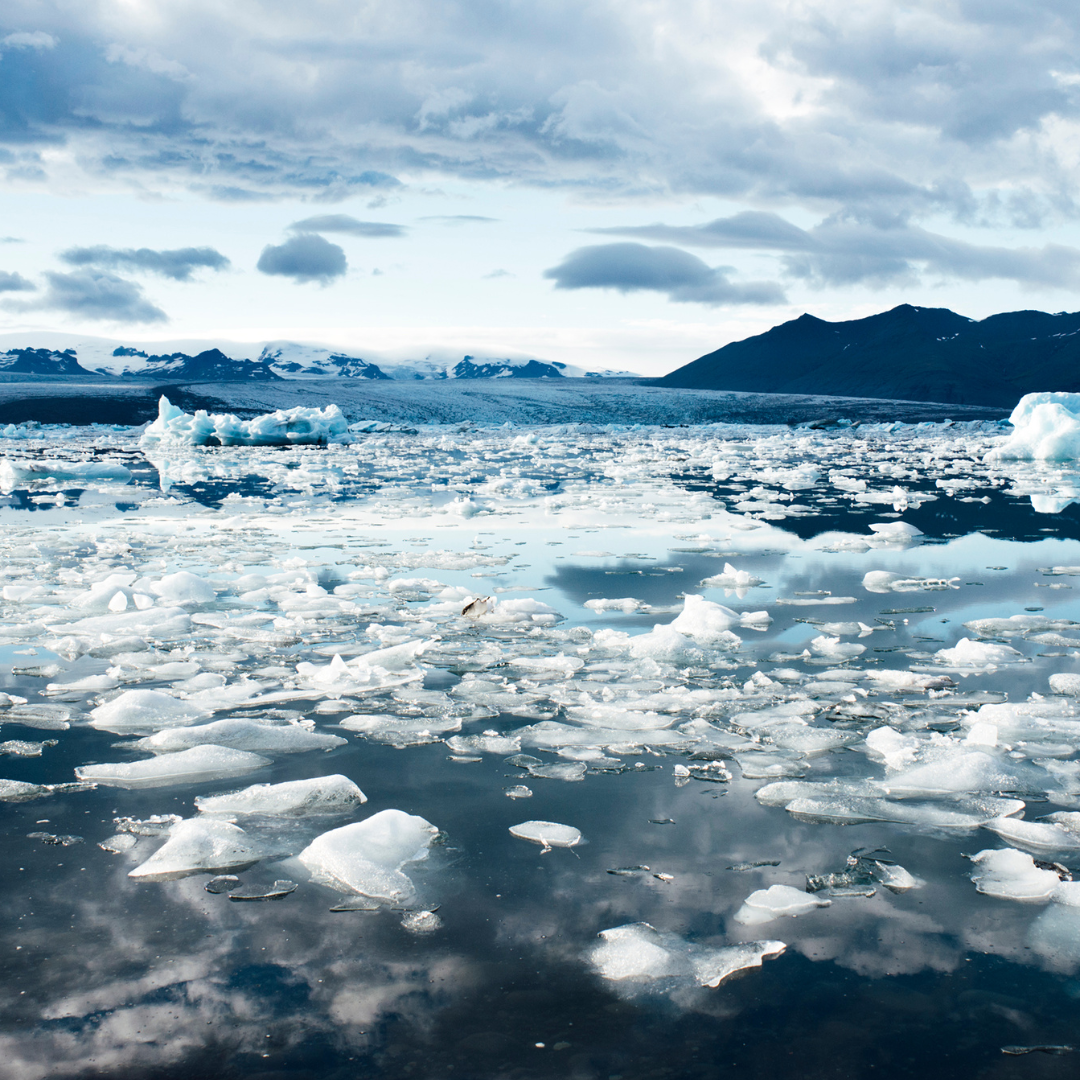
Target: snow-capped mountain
point(33, 355)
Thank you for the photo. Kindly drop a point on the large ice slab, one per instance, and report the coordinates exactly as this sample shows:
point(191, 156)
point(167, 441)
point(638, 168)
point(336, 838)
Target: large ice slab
point(367, 856)
point(287, 738)
point(335, 794)
point(136, 711)
point(198, 845)
point(186, 767)
point(285, 427)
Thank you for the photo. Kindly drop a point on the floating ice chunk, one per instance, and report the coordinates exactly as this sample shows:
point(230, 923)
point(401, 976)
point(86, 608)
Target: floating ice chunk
point(835, 649)
point(732, 580)
point(559, 665)
point(186, 767)
point(13, 473)
point(523, 611)
point(1065, 682)
point(628, 605)
point(705, 621)
point(1012, 875)
point(281, 888)
point(288, 738)
point(421, 922)
point(639, 953)
point(963, 771)
point(548, 834)
point(488, 743)
point(889, 746)
point(767, 904)
point(895, 532)
point(197, 845)
point(1046, 427)
point(1034, 835)
point(377, 670)
point(883, 581)
point(367, 856)
point(666, 645)
point(285, 427)
point(335, 794)
point(184, 588)
point(968, 655)
point(136, 711)
point(119, 843)
point(518, 791)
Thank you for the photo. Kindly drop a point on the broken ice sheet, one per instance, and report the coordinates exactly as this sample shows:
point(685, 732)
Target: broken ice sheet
point(186, 767)
point(637, 953)
point(335, 794)
point(199, 844)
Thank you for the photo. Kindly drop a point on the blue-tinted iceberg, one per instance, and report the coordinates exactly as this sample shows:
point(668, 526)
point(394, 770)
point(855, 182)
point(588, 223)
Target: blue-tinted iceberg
point(285, 427)
point(1046, 427)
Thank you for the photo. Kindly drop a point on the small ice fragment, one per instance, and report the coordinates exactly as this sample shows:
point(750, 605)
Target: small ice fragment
point(222, 883)
point(155, 825)
point(1013, 875)
point(22, 748)
point(629, 871)
point(549, 834)
point(767, 904)
point(335, 794)
point(664, 877)
point(119, 843)
point(661, 821)
point(55, 838)
point(742, 867)
point(518, 791)
point(366, 857)
point(1041, 1048)
point(421, 922)
point(281, 888)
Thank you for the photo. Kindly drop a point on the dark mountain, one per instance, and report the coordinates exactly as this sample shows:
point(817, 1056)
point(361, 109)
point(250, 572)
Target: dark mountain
point(908, 353)
point(468, 368)
point(349, 367)
point(209, 366)
point(43, 362)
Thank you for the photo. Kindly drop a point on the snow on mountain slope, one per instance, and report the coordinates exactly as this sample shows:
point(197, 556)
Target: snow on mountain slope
point(219, 360)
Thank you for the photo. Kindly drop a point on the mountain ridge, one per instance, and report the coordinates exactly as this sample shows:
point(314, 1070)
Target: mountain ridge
point(907, 353)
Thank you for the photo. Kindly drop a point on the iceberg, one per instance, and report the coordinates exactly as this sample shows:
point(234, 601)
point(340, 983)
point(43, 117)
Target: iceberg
point(637, 952)
point(285, 427)
point(367, 856)
point(1046, 427)
point(198, 845)
point(335, 794)
point(187, 767)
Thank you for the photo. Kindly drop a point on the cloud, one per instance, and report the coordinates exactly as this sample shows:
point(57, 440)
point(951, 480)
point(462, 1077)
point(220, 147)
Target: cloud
point(33, 39)
point(845, 252)
point(177, 263)
point(343, 223)
point(459, 219)
point(95, 294)
point(15, 283)
point(635, 267)
point(304, 257)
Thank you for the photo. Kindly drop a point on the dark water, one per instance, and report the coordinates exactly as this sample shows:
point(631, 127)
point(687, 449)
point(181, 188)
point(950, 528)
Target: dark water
point(101, 975)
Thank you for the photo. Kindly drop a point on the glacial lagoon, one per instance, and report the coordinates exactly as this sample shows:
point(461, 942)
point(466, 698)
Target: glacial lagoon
point(595, 752)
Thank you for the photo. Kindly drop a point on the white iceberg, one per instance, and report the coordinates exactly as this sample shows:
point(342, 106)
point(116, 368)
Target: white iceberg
point(548, 834)
point(367, 856)
point(639, 953)
point(285, 427)
point(137, 711)
point(188, 766)
point(335, 794)
point(1046, 427)
point(287, 738)
point(767, 904)
point(1012, 875)
point(198, 845)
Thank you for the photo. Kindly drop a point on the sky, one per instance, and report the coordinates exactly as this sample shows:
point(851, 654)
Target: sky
point(624, 184)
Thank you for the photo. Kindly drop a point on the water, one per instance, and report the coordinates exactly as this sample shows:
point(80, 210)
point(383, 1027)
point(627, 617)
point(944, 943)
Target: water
point(314, 552)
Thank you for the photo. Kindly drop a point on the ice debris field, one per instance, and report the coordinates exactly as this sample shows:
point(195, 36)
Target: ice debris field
point(662, 708)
